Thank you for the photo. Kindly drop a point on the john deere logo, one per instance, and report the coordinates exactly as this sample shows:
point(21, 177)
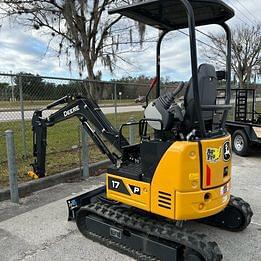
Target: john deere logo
point(213, 154)
point(226, 151)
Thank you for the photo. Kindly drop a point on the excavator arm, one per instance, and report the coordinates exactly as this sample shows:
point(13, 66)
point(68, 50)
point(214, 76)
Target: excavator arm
point(90, 116)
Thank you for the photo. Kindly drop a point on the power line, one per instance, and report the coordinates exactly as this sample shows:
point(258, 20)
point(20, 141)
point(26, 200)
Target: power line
point(244, 7)
point(238, 17)
point(207, 35)
point(252, 22)
point(200, 41)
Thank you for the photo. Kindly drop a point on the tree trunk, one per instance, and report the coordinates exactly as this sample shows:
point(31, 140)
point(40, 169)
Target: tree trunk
point(241, 81)
point(92, 84)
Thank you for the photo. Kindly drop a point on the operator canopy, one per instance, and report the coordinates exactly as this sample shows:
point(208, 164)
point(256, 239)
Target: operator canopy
point(171, 14)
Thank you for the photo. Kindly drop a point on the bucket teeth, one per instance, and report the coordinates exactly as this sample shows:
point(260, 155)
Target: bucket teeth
point(32, 175)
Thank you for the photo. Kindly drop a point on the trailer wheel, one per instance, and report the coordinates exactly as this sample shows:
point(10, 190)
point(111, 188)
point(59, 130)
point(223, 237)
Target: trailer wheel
point(240, 143)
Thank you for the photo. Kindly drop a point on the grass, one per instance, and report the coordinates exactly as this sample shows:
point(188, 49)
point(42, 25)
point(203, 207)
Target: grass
point(63, 150)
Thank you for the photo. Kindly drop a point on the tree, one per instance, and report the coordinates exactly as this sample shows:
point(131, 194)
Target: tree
point(4, 86)
point(80, 27)
point(246, 52)
point(32, 85)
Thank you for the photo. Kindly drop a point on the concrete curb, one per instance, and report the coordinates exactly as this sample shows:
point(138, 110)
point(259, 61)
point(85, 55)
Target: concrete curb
point(49, 181)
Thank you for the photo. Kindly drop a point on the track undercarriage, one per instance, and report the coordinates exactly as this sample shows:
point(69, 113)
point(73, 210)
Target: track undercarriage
point(145, 236)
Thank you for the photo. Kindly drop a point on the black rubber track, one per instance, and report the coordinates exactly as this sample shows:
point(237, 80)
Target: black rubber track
point(157, 227)
point(235, 217)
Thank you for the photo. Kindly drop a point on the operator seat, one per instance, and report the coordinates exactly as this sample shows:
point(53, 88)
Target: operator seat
point(207, 87)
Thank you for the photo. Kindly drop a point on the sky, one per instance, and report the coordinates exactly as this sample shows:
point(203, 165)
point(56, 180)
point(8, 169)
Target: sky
point(25, 50)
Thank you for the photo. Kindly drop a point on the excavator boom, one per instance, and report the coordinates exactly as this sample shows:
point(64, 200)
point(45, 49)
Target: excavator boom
point(91, 117)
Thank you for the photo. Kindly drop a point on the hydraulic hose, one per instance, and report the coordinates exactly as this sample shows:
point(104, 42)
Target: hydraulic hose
point(167, 99)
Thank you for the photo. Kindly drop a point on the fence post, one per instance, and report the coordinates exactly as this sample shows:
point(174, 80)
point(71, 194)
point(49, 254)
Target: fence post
point(131, 130)
point(22, 115)
point(12, 169)
point(115, 103)
point(85, 154)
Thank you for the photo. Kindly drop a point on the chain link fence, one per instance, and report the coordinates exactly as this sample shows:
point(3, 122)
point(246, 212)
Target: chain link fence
point(22, 94)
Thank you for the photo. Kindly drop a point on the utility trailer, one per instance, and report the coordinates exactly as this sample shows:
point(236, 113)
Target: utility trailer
point(245, 128)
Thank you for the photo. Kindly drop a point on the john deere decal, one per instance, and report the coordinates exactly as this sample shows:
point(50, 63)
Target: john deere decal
point(226, 151)
point(213, 154)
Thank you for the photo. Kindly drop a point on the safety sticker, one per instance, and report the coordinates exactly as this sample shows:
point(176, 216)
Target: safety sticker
point(224, 189)
point(213, 154)
point(225, 198)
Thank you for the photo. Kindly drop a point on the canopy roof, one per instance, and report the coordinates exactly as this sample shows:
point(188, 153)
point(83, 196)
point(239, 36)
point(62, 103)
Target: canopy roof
point(171, 14)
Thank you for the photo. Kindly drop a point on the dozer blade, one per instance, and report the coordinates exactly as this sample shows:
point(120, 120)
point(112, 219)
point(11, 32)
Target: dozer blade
point(75, 203)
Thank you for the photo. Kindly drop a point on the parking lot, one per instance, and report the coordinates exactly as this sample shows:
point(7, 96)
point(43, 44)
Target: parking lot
point(37, 229)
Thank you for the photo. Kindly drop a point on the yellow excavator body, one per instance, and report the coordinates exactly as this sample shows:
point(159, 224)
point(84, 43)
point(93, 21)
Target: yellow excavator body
point(191, 181)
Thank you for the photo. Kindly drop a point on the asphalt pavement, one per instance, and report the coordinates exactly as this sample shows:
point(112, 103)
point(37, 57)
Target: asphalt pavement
point(37, 228)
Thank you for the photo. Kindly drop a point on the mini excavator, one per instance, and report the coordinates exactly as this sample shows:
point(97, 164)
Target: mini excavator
point(180, 172)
